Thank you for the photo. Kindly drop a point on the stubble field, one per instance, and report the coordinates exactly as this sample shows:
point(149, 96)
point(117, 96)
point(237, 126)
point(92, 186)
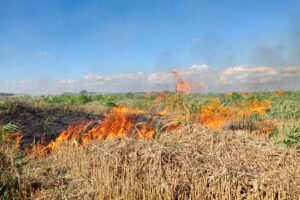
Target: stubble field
point(151, 146)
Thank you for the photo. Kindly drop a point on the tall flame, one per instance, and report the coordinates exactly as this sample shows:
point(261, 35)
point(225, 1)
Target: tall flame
point(182, 86)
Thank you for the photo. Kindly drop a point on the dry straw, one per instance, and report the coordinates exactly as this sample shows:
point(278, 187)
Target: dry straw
point(191, 163)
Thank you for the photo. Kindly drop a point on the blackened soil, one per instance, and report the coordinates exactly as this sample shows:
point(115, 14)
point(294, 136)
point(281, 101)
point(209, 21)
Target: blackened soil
point(37, 122)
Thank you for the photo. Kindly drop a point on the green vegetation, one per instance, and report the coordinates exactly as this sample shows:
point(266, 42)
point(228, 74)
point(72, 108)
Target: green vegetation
point(68, 99)
point(8, 128)
point(285, 106)
point(292, 135)
point(284, 115)
point(10, 185)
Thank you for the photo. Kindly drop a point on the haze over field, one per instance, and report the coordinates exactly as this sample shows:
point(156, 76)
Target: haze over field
point(132, 46)
point(237, 78)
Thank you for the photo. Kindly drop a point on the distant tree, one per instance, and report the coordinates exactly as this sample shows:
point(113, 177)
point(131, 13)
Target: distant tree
point(83, 92)
point(129, 95)
point(6, 94)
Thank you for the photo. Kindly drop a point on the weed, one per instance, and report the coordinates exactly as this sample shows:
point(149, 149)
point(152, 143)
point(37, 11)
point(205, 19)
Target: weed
point(12, 186)
point(8, 128)
point(292, 135)
point(161, 125)
point(47, 123)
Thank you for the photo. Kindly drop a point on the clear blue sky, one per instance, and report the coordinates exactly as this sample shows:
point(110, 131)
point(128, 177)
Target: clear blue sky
point(59, 39)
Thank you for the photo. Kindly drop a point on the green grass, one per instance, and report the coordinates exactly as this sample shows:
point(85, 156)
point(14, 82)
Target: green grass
point(10, 185)
point(285, 106)
point(292, 135)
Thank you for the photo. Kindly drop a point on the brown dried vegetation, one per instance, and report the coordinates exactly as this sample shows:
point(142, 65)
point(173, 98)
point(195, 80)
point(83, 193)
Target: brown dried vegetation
point(190, 163)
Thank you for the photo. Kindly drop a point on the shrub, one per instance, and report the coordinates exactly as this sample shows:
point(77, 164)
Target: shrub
point(83, 98)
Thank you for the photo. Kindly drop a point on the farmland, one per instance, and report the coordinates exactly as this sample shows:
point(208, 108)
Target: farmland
point(168, 145)
point(149, 100)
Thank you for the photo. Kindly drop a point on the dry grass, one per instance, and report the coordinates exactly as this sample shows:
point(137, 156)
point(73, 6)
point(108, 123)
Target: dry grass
point(191, 163)
point(94, 108)
point(91, 107)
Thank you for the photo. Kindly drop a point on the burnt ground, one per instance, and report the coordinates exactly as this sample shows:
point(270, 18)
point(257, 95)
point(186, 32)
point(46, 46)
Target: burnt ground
point(37, 122)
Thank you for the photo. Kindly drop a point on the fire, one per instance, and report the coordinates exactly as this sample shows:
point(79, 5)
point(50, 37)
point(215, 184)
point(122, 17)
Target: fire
point(182, 86)
point(15, 95)
point(17, 136)
point(215, 115)
point(280, 93)
point(126, 122)
point(176, 103)
point(265, 129)
point(123, 121)
point(148, 95)
point(120, 122)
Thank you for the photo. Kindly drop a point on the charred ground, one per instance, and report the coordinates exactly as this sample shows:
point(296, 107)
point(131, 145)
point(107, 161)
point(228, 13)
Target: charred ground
point(41, 122)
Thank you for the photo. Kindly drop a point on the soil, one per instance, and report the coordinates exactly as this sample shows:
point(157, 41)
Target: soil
point(37, 122)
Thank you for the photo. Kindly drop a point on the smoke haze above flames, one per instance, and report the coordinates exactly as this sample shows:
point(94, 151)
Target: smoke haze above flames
point(203, 78)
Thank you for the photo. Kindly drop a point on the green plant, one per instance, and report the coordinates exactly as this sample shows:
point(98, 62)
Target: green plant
point(160, 126)
point(68, 99)
point(196, 105)
point(47, 123)
point(8, 128)
point(292, 135)
point(3, 108)
point(12, 186)
point(99, 97)
point(109, 101)
point(129, 95)
point(83, 98)
point(106, 100)
point(141, 104)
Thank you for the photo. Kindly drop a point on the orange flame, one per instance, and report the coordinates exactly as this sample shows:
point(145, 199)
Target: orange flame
point(17, 135)
point(215, 114)
point(182, 85)
point(126, 122)
point(123, 121)
point(120, 122)
point(279, 93)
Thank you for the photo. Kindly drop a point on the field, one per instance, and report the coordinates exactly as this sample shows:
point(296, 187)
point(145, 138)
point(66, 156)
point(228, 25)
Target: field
point(169, 145)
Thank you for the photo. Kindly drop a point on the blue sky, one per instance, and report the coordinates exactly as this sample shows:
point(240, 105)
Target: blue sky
point(63, 39)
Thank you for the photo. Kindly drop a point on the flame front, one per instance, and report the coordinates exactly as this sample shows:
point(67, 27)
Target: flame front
point(119, 122)
point(126, 122)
